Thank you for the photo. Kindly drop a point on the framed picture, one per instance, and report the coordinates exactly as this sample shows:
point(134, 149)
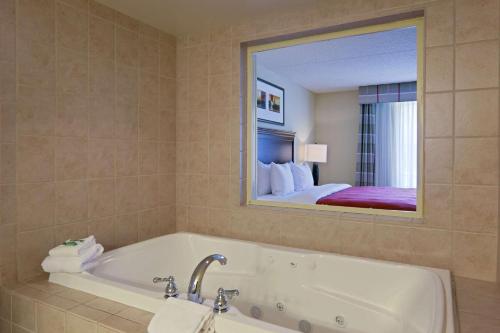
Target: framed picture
point(270, 104)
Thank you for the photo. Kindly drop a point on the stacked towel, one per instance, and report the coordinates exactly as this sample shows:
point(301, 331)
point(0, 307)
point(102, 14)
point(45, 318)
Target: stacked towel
point(73, 247)
point(73, 256)
point(182, 316)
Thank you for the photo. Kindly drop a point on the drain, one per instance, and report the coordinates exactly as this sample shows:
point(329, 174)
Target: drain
point(256, 312)
point(305, 326)
point(280, 306)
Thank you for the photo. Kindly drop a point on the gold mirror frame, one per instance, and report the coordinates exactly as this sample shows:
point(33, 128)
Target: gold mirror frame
point(251, 151)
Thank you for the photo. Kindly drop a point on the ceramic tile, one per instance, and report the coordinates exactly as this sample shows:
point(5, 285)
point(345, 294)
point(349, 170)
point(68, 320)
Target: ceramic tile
point(72, 115)
point(127, 155)
point(35, 159)
point(476, 209)
point(438, 160)
point(149, 54)
point(439, 69)
point(23, 312)
point(474, 111)
point(36, 20)
point(36, 111)
point(106, 305)
point(476, 161)
point(476, 65)
point(438, 206)
point(35, 67)
point(76, 324)
point(50, 320)
point(439, 24)
point(476, 20)
point(126, 194)
point(149, 224)
point(71, 158)
point(126, 229)
point(101, 197)
point(127, 44)
point(101, 159)
point(101, 38)
point(35, 206)
point(72, 27)
point(72, 72)
point(148, 191)
point(439, 115)
point(474, 255)
point(33, 247)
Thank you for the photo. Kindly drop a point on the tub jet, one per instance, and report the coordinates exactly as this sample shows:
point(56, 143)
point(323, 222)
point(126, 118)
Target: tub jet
point(305, 326)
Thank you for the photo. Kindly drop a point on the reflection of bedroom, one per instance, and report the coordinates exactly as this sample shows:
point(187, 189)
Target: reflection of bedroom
point(348, 122)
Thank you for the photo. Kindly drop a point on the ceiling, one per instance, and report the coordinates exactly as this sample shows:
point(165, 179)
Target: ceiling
point(180, 17)
point(347, 63)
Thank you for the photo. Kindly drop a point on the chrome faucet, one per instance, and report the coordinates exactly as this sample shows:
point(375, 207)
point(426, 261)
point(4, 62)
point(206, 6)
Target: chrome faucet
point(194, 290)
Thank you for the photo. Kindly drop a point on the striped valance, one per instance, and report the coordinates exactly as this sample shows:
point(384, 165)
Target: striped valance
point(385, 93)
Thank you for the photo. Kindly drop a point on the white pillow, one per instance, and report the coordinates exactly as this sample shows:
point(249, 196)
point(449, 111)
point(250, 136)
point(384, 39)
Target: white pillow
point(281, 179)
point(263, 178)
point(302, 176)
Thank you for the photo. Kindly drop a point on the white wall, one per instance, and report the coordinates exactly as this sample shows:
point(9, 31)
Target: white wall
point(299, 110)
point(337, 119)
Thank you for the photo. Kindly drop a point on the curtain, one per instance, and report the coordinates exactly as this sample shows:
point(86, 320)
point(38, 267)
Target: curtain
point(396, 144)
point(365, 157)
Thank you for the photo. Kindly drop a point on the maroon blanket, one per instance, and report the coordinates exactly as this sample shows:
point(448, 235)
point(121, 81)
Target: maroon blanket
point(373, 197)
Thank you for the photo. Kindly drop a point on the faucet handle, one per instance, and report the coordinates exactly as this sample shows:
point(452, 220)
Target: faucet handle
point(171, 288)
point(231, 293)
point(221, 304)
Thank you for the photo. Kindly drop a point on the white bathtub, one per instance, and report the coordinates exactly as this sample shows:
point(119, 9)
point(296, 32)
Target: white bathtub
point(334, 293)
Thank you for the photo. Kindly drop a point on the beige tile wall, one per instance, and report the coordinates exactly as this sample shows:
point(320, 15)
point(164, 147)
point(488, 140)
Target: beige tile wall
point(460, 228)
point(7, 138)
point(90, 147)
point(96, 137)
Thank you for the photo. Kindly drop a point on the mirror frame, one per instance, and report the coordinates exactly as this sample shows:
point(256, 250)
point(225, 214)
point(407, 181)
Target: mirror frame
point(251, 121)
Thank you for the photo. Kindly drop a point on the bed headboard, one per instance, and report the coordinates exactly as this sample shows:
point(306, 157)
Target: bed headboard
point(275, 145)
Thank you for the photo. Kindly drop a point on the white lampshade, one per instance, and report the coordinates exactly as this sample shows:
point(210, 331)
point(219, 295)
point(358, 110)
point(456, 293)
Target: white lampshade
point(315, 153)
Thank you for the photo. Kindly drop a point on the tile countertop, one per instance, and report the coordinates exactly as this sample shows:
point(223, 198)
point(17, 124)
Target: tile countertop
point(40, 306)
point(478, 304)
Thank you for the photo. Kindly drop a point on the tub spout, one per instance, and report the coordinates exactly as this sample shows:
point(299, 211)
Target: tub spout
point(194, 290)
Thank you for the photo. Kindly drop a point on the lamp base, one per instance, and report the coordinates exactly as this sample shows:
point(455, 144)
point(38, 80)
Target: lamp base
point(315, 174)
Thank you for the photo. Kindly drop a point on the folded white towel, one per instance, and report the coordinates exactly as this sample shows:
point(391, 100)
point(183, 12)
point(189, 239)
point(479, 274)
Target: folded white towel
point(73, 264)
point(181, 316)
point(72, 248)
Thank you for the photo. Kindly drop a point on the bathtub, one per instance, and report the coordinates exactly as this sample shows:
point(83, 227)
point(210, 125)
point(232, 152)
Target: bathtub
point(280, 288)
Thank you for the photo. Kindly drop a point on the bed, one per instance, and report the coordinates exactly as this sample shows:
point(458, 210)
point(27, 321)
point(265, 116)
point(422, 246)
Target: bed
point(278, 146)
point(393, 198)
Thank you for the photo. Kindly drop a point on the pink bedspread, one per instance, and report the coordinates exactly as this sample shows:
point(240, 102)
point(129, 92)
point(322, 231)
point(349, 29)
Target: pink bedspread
point(393, 198)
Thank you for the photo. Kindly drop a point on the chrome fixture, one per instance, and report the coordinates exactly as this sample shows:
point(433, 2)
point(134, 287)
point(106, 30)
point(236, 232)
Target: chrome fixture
point(256, 312)
point(171, 288)
point(305, 326)
point(221, 304)
point(194, 289)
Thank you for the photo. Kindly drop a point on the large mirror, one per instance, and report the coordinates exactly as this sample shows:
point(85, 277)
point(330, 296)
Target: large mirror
point(335, 121)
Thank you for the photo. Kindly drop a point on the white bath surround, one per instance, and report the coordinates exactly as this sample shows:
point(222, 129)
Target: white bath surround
point(333, 293)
